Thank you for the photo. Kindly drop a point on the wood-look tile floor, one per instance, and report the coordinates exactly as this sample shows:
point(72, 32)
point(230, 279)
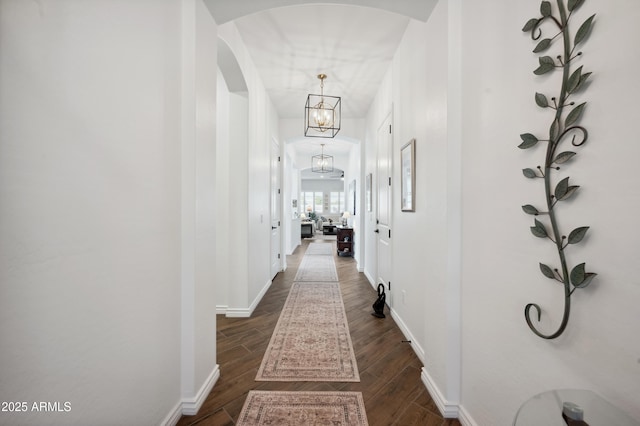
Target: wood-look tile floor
point(389, 369)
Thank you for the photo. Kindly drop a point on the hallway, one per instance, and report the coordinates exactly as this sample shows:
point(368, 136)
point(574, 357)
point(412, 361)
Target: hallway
point(389, 370)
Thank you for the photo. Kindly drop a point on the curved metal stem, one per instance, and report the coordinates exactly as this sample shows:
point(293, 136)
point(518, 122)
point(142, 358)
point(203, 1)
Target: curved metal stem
point(556, 133)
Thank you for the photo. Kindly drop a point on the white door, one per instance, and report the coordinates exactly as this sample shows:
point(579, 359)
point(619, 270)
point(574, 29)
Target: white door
point(383, 215)
point(276, 220)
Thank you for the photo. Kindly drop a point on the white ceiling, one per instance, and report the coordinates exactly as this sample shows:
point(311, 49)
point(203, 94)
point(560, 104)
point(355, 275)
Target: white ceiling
point(292, 41)
point(353, 45)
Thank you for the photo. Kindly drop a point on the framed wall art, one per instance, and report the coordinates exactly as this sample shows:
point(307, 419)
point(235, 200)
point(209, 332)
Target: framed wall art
point(368, 200)
point(408, 176)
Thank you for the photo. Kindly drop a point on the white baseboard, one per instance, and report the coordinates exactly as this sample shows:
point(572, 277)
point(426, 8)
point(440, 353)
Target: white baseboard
point(447, 409)
point(174, 416)
point(370, 278)
point(407, 334)
point(221, 309)
point(190, 406)
point(246, 312)
point(464, 418)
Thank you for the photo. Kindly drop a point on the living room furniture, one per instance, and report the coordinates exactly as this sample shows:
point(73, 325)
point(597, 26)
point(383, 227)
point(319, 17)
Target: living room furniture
point(307, 229)
point(344, 236)
point(329, 229)
point(327, 220)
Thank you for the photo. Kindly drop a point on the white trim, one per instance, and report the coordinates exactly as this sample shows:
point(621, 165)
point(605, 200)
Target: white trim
point(448, 410)
point(407, 334)
point(464, 418)
point(190, 406)
point(174, 416)
point(238, 313)
point(221, 309)
point(371, 280)
point(247, 312)
point(453, 294)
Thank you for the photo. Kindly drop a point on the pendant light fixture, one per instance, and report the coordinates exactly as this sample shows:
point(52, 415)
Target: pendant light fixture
point(322, 163)
point(322, 114)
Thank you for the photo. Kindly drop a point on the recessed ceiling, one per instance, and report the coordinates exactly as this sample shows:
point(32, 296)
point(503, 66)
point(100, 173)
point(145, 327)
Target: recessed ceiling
point(353, 45)
point(290, 42)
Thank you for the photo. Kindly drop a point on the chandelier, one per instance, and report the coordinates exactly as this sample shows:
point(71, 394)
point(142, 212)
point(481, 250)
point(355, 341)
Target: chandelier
point(322, 163)
point(322, 114)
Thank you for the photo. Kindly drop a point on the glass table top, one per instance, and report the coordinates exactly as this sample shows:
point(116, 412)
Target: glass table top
point(546, 409)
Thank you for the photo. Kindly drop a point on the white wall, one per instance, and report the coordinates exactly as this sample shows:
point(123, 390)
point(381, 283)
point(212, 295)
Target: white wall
point(291, 215)
point(262, 127)
point(223, 194)
point(504, 363)
point(420, 277)
point(198, 222)
point(232, 202)
point(90, 209)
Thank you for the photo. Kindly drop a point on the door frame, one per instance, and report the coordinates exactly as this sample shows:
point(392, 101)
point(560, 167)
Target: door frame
point(385, 126)
point(275, 259)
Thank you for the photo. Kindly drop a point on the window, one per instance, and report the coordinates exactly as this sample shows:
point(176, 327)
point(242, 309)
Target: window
point(313, 200)
point(337, 204)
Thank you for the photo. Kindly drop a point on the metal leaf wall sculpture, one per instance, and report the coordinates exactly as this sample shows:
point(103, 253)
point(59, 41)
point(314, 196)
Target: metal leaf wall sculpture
point(564, 128)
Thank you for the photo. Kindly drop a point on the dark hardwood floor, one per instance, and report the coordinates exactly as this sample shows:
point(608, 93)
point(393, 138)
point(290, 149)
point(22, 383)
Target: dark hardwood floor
point(389, 369)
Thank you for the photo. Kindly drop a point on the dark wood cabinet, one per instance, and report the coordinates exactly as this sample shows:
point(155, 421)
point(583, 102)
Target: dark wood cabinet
point(344, 236)
point(306, 230)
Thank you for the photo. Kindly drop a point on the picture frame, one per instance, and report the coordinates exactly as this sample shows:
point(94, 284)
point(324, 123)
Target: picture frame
point(368, 183)
point(352, 196)
point(408, 176)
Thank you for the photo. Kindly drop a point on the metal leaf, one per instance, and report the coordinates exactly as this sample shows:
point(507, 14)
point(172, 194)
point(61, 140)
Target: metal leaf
point(569, 193)
point(580, 278)
point(539, 230)
point(588, 277)
point(583, 79)
point(563, 157)
point(577, 275)
point(574, 4)
point(561, 188)
point(553, 130)
point(531, 23)
point(528, 140)
point(584, 30)
point(577, 235)
point(542, 46)
point(529, 173)
point(574, 115)
point(547, 271)
point(574, 80)
point(545, 8)
point(546, 64)
point(529, 209)
point(541, 100)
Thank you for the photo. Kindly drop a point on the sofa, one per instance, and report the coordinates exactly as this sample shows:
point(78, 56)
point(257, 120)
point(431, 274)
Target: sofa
point(324, 220)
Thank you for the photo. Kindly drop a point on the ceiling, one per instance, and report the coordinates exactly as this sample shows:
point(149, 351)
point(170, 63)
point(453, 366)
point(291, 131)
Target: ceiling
point(352, 45)
point(292, 41)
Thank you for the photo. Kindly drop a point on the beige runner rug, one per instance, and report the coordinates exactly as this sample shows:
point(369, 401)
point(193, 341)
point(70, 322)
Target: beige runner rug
point(317, 264)
point(303, 408)
point(311, 340)
point(320, 249)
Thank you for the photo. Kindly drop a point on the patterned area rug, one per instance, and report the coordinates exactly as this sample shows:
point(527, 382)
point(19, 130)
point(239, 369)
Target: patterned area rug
point(320, 249)
point(303, 408)
point(324, 237)
point(311, 341)
point(317, 268)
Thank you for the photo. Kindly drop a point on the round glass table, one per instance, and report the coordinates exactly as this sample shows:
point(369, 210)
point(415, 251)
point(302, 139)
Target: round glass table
point(546, 409)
